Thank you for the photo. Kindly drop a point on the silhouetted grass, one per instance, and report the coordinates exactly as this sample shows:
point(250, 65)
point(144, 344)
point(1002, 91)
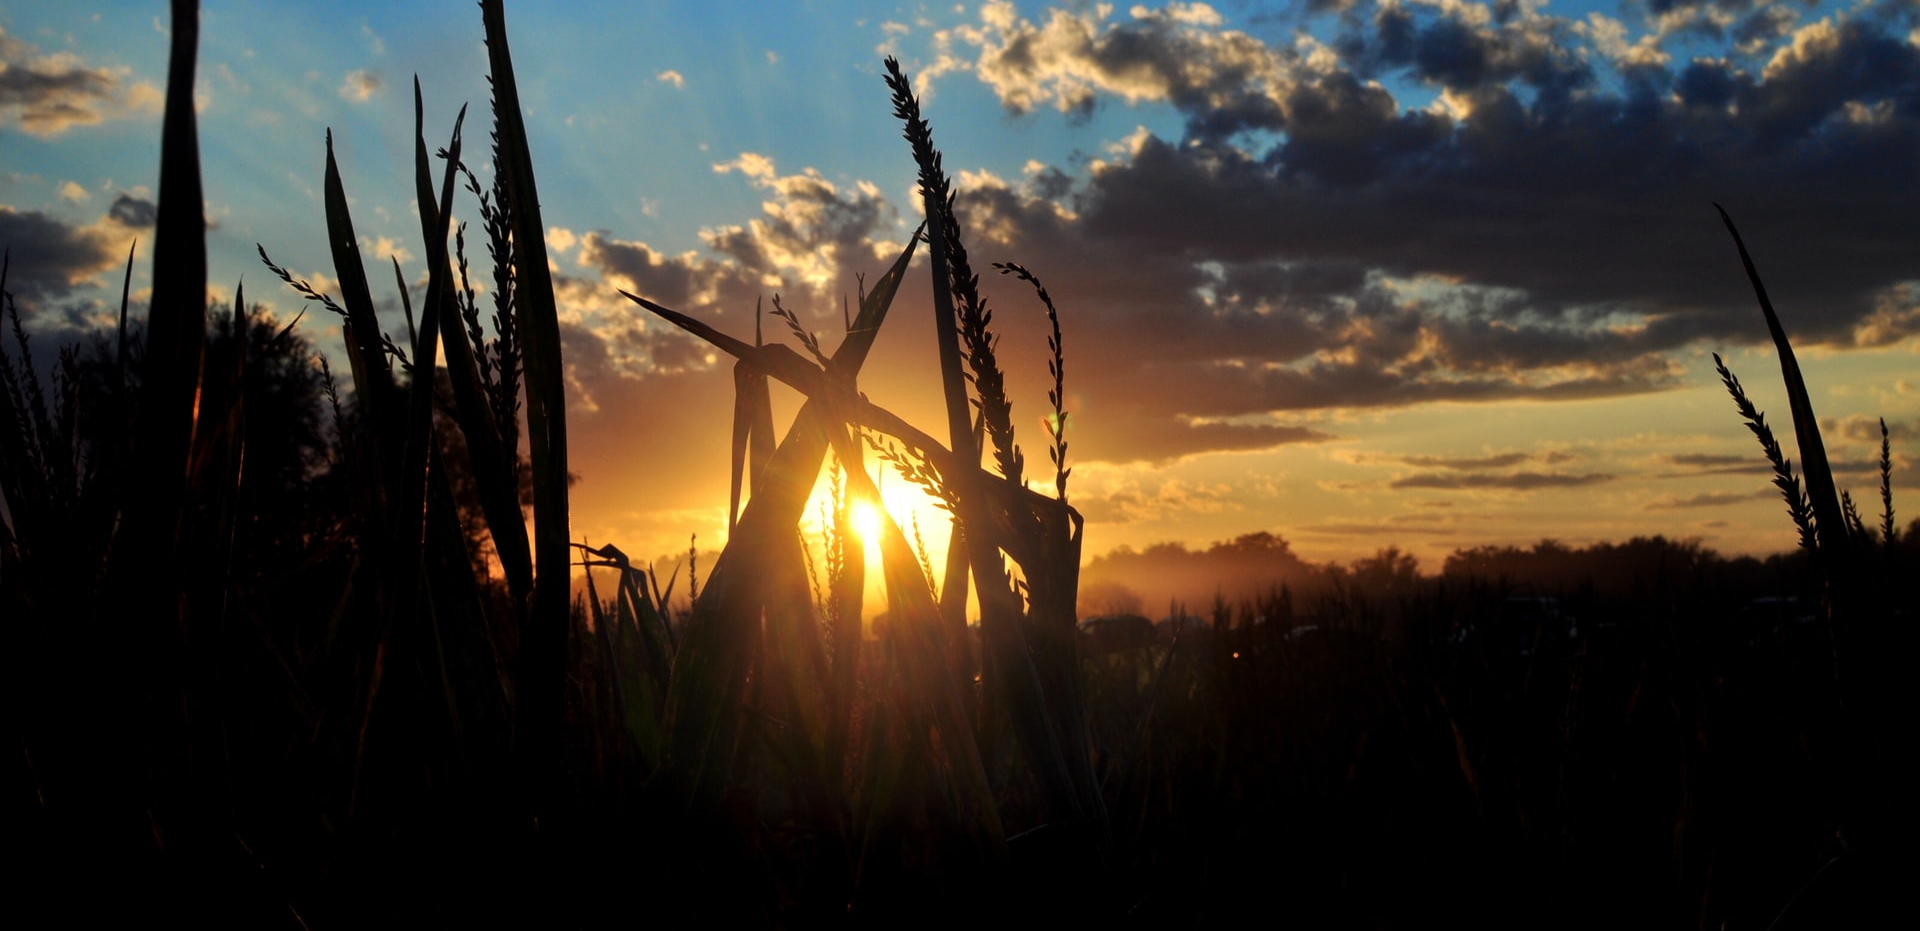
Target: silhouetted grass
point(1865, 717)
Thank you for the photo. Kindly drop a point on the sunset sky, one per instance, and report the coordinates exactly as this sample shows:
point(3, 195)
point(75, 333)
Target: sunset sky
point(1427, 273)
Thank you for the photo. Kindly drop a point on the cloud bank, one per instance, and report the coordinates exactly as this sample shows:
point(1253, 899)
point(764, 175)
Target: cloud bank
point(1444, 201)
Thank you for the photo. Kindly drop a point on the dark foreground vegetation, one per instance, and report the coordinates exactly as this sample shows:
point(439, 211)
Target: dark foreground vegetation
point(284, 653)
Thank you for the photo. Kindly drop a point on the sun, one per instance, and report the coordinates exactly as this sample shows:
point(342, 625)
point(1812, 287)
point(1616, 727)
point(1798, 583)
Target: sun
point(866, 522)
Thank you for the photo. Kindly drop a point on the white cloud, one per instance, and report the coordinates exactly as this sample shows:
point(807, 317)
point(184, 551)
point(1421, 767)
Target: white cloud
point(360, 86)
point(752, 164)
point(384, 247)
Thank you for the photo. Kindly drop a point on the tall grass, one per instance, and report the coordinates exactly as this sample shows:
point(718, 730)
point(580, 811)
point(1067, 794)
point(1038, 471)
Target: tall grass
point(1866, 717)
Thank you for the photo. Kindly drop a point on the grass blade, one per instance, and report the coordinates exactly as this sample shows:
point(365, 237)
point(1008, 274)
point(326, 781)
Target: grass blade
point(934, 196)
point(492, 463)
point(177, 315)
point(418, 441)
point(544, 639)
point(751, 400)
point(1886, 488)
point(1783, 477)
point(372, 379)
point(120, 350)
point(1829, 523)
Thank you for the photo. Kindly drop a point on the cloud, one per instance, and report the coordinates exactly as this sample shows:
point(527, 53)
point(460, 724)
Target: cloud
point(1147, 497)
point(1894, 317)
point(361, 86)
point(1129, 435)
point(133, 212)
point(811, 230)
point(48, 94)
point(1568, 206)
point(1863, 429)
point(385, 248)
point(752, 164)
point(1175, 54)
point(671, 77)
point(1496, 461)
point(52, 260)
point(1708, 500)
point(1514, 481)
point(813, 235)
point(1541, 230)
point(1716, 464)
point(72, 192)
point(1441, 201)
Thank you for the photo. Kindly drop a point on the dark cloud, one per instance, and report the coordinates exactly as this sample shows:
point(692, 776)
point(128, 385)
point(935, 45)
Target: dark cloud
point(1173, 333)
point(1582, 206)
point(1500, 461)
point(1138, 436)
point(1763, 26)
point(50, 258)
point(133, 212)
point(1708, 460)
point(1663, 7)
point(47, 94)
point(1542, 231)
point(1706, 83)
point(1715, 464)
point(1708, 500)
point(1515, 481)
point(1708, 464)
point(637, 268)
point(1459, 47)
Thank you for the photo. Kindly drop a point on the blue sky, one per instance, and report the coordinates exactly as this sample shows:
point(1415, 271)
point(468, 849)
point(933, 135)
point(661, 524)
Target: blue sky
point(1434, 273)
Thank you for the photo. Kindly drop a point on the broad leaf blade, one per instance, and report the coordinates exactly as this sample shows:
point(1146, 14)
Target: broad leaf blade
point(1829, 524)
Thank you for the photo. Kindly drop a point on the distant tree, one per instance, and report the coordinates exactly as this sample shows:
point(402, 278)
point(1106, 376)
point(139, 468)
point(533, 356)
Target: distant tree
point(1243, 568)
point(1106, 597)
point(1387, 571)
point(285, 487)
point(1259, 542)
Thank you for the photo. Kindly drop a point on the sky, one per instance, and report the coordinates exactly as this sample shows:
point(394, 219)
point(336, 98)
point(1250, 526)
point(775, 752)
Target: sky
point(1425, 273)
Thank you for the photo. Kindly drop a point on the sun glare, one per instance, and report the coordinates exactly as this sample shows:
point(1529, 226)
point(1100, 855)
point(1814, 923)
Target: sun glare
point(866, 522)
point(918, 516)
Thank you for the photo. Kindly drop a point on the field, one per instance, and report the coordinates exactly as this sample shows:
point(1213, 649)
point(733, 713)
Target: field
point(290, 648)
